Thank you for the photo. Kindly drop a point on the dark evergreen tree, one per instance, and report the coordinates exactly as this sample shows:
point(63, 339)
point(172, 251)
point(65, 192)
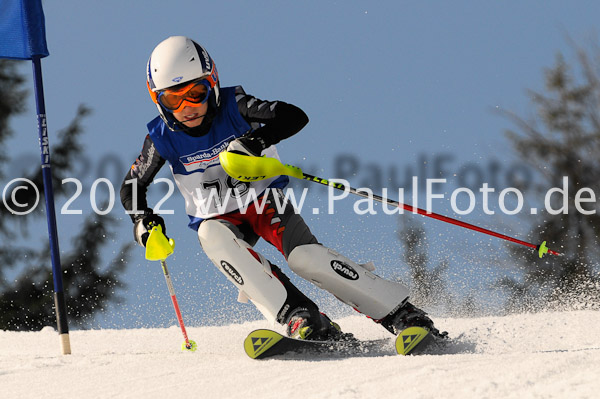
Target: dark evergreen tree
point(90, 282)
point(563, 139)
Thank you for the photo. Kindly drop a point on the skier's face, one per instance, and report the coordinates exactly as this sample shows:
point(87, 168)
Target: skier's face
point(192, 116)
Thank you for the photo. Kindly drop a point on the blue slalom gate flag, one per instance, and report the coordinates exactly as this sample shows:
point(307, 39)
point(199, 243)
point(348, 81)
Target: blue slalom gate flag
point(23, 37)
point(22, 29)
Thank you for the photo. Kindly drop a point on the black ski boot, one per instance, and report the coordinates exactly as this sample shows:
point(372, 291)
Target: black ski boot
point(301, 324)
point(408, 316)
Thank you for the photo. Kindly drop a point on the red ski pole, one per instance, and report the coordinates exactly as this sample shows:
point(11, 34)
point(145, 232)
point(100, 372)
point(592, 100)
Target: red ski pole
point(158, 247)
point(188, 344)
point(541, 248)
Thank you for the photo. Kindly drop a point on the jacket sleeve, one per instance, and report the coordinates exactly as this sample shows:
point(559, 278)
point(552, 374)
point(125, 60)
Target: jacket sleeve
point(277, 120)
point(142, 172)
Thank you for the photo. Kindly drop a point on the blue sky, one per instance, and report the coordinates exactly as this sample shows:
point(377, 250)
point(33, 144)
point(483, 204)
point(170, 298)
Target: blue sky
point(391, 84)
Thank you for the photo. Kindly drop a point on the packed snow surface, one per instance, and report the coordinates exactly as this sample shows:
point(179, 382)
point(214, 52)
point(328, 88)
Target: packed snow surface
point(544, 355)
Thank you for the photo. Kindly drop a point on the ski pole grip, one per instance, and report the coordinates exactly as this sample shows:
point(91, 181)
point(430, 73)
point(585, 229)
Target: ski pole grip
point(158, 247)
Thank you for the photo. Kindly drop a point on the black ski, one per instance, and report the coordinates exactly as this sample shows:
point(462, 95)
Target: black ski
point(263, 343)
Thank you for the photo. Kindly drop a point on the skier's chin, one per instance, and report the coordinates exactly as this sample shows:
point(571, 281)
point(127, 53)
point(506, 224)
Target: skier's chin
point(193, 122)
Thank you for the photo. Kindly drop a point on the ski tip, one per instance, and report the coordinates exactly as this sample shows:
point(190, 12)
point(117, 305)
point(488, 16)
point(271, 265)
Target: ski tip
point(412, 340)
point(258, 342)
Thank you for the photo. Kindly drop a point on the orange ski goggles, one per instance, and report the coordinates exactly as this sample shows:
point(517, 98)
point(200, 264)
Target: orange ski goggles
point(194, 94)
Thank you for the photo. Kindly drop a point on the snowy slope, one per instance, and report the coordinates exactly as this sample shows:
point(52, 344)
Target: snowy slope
point(523, 356)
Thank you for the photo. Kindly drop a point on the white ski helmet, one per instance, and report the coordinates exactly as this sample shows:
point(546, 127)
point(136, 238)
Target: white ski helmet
point(176, 61)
